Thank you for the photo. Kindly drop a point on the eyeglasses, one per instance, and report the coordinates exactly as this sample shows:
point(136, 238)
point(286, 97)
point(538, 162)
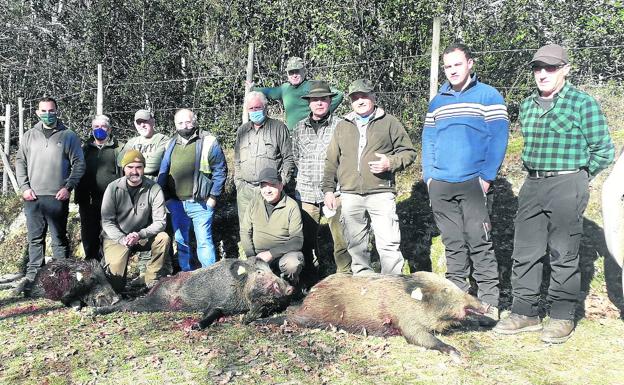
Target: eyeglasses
point(294, 72)
point(548, 68)
point(102, 127)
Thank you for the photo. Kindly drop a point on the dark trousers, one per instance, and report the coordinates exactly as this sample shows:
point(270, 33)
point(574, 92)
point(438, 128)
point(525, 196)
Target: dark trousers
point(46, 211)
point(550, 213)
point(461, 213)
point(91, 228)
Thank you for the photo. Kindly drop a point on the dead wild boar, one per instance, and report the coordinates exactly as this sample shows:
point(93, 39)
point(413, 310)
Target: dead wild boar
point(70, 280)
point(228, 287)
point(383, 305)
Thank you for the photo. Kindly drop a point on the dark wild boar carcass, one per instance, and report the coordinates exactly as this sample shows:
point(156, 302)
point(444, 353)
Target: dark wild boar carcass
point(228, 287)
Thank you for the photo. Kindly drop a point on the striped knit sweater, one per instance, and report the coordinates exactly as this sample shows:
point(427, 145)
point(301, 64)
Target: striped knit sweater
point(465, 134)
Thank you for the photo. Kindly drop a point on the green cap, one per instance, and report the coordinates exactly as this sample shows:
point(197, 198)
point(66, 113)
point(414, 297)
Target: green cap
point(361, 85)
point(319, 89)
point(294, 63)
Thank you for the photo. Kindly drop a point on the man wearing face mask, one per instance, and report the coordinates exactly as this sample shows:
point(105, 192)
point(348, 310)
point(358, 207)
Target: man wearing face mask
point(150, 143)
point(365, 152)
point(48, 165)
point(291, 93)
point(261, 143)
point(100, 154)
point(192, 175)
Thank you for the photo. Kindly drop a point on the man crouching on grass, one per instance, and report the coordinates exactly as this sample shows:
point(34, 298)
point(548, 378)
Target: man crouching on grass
point(133, 219)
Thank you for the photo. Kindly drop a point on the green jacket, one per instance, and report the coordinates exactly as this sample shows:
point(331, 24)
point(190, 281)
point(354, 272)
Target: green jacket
point(384, 135)
point(570, 135)
point(120, 216)
point(280, 233)
point(295, 107)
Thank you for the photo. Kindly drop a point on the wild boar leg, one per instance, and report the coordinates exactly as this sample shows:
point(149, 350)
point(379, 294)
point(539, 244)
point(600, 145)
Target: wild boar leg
point(208, 318)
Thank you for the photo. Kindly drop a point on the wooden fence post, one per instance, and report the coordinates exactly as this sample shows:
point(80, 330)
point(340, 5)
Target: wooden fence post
point(435, 58)
point(249, 78)
point(7, 144)
point(20, 119)
point(99, 103)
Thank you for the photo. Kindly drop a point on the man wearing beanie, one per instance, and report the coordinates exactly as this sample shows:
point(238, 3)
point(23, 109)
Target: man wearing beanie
point(152, 145)
point(566, 143)
point(133, 219)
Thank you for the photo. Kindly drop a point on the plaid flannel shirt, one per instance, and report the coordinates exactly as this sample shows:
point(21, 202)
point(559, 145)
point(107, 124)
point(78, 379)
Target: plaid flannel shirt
point(309, 151)
point(572, 134)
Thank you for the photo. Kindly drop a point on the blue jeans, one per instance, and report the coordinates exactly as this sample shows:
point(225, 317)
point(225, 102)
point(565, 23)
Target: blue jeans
point(200, 214)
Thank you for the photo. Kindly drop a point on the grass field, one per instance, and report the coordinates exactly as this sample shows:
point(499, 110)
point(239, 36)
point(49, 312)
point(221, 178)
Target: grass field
point(45, 343)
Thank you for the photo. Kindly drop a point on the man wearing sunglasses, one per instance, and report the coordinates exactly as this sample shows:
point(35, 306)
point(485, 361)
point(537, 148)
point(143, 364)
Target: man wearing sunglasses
point(290, 93)
point(566, 143)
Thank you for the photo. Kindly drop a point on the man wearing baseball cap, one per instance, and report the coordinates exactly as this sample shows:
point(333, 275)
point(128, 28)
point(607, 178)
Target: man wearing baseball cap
point(365, 152)
point(310, 140)
point(271, 228)
point(290, 93)
point(149, 143)
point(133, 219)
point(566, 143)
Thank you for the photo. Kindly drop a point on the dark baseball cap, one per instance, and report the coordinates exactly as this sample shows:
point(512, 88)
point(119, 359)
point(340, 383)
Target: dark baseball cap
point(551, 54)
point(269, 175)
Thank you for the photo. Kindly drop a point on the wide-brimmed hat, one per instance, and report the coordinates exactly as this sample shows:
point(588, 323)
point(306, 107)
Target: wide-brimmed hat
point(551, 54)
point(319, 89)
point(143, 115)
point(361, 85)
point(294, 63)
point(269, 175)
point(131, 157)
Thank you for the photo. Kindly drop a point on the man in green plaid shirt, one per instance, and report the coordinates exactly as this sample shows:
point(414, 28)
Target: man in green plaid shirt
point(566, 143)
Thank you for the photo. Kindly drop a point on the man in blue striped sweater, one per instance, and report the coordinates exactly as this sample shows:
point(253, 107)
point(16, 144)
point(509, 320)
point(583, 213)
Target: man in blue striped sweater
point(463, 145)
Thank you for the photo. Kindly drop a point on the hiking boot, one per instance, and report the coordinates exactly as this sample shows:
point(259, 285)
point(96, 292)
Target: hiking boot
point(517, 323)
point(557, 331)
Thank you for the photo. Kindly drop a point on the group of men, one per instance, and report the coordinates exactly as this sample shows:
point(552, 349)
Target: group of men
point(288, 176)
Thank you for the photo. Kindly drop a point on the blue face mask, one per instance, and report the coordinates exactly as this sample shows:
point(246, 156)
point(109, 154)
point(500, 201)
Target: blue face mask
point(257, 116)
point(100, 133)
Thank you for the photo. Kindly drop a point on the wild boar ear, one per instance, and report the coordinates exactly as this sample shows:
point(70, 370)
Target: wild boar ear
point(417, 294)
point(238, 270)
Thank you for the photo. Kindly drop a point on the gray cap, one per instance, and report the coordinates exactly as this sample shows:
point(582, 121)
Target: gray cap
point(143, 115)
point(294, 63)
point(269, 175)
point(319, 89)
point(551, 54)
point(361, 85)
